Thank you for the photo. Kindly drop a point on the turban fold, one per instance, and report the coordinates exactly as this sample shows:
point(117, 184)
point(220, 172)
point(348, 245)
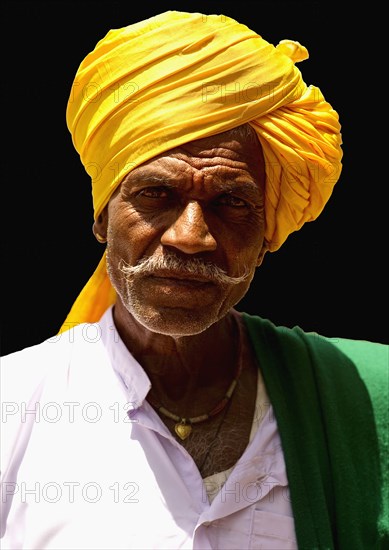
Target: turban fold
point(177, 77)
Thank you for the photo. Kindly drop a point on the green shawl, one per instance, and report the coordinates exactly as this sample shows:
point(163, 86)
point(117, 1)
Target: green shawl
point(330, 399)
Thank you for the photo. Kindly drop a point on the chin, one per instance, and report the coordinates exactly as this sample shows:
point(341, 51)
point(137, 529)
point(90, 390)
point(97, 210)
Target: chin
point(176, 322)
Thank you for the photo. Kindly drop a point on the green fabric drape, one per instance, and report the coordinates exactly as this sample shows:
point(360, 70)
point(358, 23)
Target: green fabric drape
point(329, 400)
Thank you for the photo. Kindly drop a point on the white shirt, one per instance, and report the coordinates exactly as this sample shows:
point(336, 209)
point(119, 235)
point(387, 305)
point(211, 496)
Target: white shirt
point(88, 464)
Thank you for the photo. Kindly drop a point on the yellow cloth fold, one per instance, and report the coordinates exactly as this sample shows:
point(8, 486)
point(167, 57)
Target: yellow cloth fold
point(177, 77)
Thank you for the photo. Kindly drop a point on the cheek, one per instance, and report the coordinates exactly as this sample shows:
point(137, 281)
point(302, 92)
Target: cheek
point(243, 253)
point(130, 237)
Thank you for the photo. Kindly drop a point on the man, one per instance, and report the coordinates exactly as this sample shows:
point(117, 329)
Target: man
point(159, 416)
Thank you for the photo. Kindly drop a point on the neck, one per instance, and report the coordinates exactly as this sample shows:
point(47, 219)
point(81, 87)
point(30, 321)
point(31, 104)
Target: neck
point(185, 370)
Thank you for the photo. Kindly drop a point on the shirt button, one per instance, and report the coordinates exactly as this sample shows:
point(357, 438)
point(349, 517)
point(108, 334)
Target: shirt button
point(260, 479)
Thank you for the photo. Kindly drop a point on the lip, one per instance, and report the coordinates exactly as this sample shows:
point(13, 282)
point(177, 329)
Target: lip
point(180, 278)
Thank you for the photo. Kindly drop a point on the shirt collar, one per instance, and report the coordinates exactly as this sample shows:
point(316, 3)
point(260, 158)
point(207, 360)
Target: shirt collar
point(135, 381)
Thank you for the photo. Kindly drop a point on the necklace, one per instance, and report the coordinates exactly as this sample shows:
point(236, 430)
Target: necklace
point(184, 426)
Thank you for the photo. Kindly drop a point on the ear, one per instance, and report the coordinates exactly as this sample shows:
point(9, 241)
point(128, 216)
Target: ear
point(100, 226)
point(262, 253)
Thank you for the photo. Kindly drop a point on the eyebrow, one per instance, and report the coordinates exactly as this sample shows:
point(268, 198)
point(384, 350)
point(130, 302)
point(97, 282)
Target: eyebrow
point(248, 187)
point(148, 178)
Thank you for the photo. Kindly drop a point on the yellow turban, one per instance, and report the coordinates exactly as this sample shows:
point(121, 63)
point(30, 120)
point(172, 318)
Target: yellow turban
point(177, 77)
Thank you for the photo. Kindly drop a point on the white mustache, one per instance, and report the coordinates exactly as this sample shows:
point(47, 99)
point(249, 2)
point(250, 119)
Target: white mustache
point(192, 266)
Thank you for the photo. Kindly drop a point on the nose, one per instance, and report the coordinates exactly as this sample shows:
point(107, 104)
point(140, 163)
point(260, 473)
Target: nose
point(190, 233)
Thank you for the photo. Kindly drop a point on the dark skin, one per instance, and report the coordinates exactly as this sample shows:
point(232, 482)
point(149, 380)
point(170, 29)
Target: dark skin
point(200, 200)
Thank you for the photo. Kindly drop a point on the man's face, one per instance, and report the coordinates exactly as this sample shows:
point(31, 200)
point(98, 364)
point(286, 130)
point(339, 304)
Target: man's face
point(189, 213)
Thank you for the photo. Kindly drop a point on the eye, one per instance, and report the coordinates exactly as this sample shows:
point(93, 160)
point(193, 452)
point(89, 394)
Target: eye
point(232, 201)
point(154, 193)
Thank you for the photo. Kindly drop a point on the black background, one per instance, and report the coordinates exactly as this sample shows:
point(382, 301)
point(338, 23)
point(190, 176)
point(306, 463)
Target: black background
point(330, 277)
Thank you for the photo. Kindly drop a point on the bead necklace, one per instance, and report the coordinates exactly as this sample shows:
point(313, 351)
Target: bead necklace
point(184, 426)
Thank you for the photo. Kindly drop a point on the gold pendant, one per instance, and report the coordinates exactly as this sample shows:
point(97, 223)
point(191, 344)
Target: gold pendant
point(183, 430)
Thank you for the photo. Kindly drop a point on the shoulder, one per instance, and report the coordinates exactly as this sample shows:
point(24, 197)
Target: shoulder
point(370, 358)
point(24, 371)
point(38, 376)
point(336, 363)
point(342, 369)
